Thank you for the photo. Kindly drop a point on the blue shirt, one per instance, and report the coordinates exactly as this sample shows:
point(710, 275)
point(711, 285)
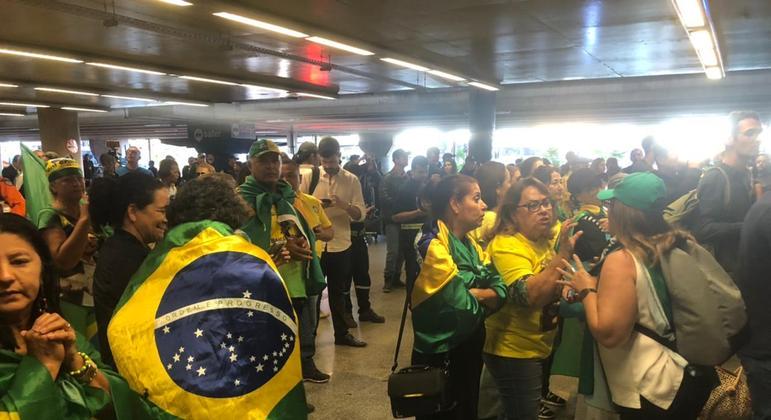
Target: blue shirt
point(124, 170)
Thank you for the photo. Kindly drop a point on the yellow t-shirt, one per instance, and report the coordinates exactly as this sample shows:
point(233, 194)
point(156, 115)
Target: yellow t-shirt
point(479, 234)
point(515, 331)
point(312, 210)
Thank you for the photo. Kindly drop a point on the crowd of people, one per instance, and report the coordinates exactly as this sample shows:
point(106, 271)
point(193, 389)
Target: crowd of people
point(512, 273)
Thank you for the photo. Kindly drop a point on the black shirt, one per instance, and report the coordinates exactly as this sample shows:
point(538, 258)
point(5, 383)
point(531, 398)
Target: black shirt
point(754, 279)
point(718, 226)
point(593, 241)
point(119, 258)
point(407, 199)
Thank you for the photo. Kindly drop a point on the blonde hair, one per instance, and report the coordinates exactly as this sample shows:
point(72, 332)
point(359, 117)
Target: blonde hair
point(645, 233)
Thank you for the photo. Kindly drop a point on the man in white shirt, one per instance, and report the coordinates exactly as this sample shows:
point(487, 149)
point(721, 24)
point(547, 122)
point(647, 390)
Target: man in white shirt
point(340, 193)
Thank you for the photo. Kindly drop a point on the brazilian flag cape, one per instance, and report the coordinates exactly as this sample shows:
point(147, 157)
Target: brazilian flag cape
point(206, 329)
point(444, 313)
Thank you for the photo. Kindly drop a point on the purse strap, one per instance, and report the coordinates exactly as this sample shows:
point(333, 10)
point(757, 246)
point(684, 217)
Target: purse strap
point(401, 331)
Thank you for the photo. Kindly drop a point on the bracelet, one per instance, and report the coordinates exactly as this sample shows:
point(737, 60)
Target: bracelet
point(87, 372)
point(584, 292)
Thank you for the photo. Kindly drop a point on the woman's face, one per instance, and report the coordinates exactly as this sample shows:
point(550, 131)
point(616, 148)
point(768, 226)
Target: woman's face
point(534, 216)
point(68, 188)
point(20, 275)
point(556, 189)
point(173, 173)
point(501, 191)
point(150, 221)
point(448, 168)
point(470, 209)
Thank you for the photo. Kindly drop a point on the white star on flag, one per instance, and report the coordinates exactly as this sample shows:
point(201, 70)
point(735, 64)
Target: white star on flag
point(229, 336)
point(266, 357)
point(275, 354)
point(181, 349)
point(188, 367)
point(233, 357)
point(252, 359)
point(176, 358)
point(166, 329)
point(237, 382)
point(250, 314)
point(168, 366)
point(198, 333)
point(231, 349)
point(201, 371)
point(275, 368)
point(259, 367)
point(223, 345)
point(283, 337)
point(240, 339)
point(247, 295)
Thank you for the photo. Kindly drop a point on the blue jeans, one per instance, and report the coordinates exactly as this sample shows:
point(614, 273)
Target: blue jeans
point(519, 384)
point(759, 381)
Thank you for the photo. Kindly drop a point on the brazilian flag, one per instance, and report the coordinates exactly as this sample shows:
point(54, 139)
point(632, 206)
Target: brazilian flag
point(206, 329)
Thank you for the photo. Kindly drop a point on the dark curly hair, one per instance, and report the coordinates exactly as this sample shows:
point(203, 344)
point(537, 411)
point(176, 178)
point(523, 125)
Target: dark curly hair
point(209, 197)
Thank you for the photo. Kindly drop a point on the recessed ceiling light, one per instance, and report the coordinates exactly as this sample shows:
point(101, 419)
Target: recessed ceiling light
point(11, 114)
point(691, 12)
point(67, 91)
point(74, 108)
point(281, 91)
point(483, 86)
point(177, 2)
point(130, 98)
point(313, 95)
point(260, 24)
point(203, 79)
point(182, 103)
point(714, 73)
point(126, 68)
point(8, 85)
point(447, 76)
point(405, 64)
point(339, 45)
point(23, 105)
point(36, 55)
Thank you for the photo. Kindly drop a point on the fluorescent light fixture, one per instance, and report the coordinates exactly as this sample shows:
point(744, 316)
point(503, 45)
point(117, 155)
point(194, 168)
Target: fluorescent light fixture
point(714, 73)
point(74, 108)
point(67, 91)
point(177, 2)
point(182, 103)
point(483, 86)
point(126, 68)
point(339, 45)
point(701, 40)
point(130, 98)
point(23, 105)
point(313, 95)
point(11, 114)
point(448, 76)
point(8, 85)
point(203, 79)
point(708, 57)
point(36, 55)
point(260, 24)
point(281, 91)
point(405, 64)
point(691, 12)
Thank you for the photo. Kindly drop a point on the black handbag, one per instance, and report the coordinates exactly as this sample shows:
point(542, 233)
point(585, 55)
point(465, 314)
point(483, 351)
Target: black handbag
point(416, 390)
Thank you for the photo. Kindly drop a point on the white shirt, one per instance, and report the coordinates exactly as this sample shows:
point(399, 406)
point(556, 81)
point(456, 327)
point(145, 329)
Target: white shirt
point(346, 186)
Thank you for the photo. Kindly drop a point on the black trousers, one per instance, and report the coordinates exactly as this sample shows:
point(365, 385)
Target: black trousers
point(338, 268)
point(407, 247)
point(360, 272)
point(465, 368)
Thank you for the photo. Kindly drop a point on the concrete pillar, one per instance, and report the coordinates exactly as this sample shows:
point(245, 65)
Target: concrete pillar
point(481, 124)
point(291, 140)
point(57, 128)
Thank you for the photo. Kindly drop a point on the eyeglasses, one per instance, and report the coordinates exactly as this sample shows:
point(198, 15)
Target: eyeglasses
point(534, 206)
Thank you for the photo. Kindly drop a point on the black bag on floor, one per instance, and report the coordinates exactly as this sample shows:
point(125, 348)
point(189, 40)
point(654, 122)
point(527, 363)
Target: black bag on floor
point(416, 390)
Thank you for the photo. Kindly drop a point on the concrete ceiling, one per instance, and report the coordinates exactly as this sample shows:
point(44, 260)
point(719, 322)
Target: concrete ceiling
point(505, 42)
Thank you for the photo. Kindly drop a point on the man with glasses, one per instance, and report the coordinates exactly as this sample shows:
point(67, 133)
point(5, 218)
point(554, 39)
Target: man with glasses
point(725, 194)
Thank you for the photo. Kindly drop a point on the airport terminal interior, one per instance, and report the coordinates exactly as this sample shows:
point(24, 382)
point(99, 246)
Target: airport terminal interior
point(198, 81)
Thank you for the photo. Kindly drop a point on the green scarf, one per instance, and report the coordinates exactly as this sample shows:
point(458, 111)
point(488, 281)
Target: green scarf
point(258, 228)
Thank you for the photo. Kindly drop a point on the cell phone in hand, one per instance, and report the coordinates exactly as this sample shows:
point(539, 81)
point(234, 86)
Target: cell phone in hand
point(276, 246)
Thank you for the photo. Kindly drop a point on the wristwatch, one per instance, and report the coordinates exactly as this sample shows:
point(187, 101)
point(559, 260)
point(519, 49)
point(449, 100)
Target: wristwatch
point(584, 292)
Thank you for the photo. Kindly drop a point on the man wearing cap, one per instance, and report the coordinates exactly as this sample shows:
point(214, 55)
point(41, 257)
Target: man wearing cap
point(278, 225)
point(132, 163)
point(65, 227)
point(389, 189)
point(341, 194)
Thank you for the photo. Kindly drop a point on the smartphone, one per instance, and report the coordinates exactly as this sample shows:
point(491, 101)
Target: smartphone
point(275, 247)
point(326, 202)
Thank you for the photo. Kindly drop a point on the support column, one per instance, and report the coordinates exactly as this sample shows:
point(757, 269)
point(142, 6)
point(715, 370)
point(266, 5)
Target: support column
point(481, 124)
point(291, 140)
point(57, 128)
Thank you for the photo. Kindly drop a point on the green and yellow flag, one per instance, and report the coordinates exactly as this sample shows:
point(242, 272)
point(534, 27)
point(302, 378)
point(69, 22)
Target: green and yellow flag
point(206, 329)
point(35, 185)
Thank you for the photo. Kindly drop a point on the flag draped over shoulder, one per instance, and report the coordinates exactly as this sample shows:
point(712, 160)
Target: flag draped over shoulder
point(35, 186)
point(205, 329)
